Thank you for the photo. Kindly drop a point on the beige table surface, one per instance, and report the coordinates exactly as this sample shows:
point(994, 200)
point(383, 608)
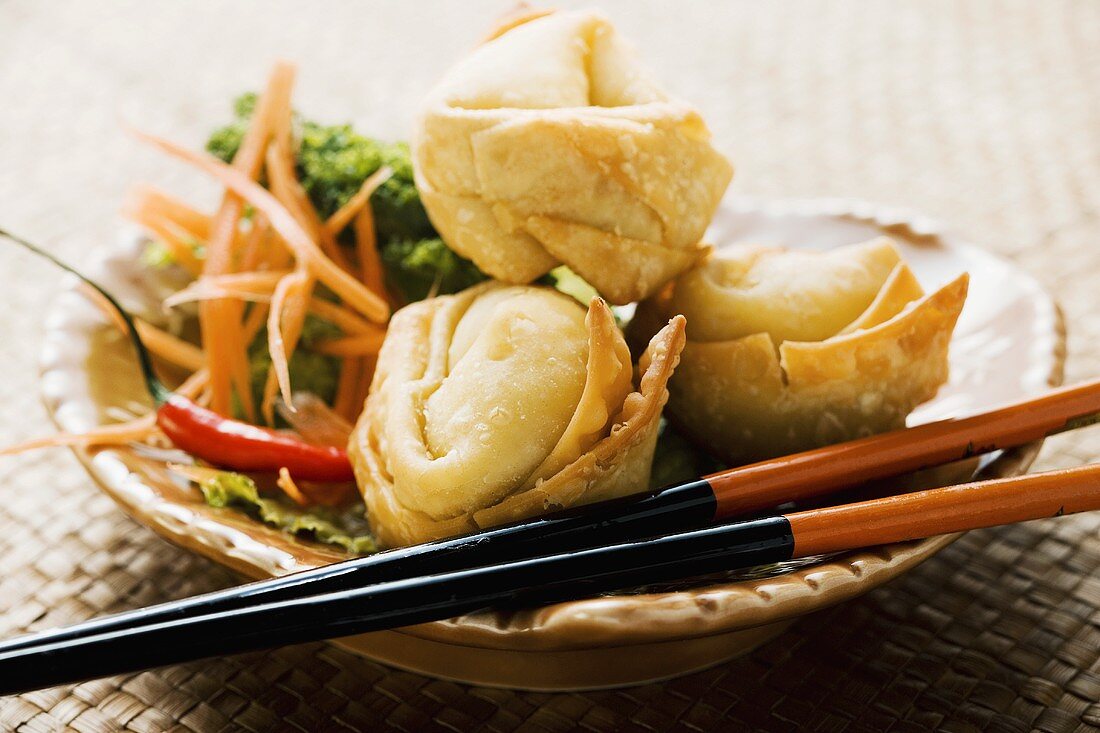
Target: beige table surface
point(982, 114)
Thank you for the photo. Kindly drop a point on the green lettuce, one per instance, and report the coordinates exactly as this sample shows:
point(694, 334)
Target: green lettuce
point(345, 528)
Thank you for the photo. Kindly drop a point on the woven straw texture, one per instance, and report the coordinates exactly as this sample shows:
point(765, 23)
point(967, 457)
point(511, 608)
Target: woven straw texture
point(985, 115)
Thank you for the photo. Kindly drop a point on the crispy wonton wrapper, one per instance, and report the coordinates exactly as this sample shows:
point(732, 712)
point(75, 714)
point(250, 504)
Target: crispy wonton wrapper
point(549, 145)
point(789, 351)
point(501, 403)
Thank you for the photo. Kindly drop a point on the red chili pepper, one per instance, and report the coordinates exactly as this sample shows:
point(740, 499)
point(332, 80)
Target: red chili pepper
point(244, 447)
point(207, 435)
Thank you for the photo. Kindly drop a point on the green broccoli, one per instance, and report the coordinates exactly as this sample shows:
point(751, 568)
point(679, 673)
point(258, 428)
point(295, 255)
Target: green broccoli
point(333, 162)
point(427, 266)
point(225, 141)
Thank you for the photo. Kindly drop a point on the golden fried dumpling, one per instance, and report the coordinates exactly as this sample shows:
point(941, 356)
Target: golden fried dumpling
point(500, 403)
point(790, 350)
point(549, 145)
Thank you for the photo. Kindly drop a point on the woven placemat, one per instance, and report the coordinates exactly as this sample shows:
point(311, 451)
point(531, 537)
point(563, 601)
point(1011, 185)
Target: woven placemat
point(986, 115)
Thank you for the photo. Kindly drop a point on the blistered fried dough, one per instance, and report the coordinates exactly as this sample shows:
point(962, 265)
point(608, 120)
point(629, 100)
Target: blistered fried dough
point(793, 350)
point(504, 402)
point(549, 144)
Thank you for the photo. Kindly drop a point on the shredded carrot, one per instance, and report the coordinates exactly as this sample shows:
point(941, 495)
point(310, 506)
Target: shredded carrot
point(193, 385)
point(351, 392)
point(151, 201)
point(254, 321)
point(343, 216)
point(366, 344)
point(282, 334)
point(347, 388)
point(353, 292)
point(286, 483)
point(117, 434)
point(280, 173)
point(171, 348)
point(257, 287)
point(172, 237)
point(366, 245)
point(273, 104)
point(252, 286)
point(366, 376)
point(348, 321)
point(256, 244)
point(220, 320)
point(287, 188)
point(288, 314)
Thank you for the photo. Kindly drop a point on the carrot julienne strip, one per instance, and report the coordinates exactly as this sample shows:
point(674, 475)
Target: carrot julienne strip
point(117, 434)
point(136, 430)
point(348, 321)
point(260, 291)
point(288, 190)
point(286, 483)
point(353, 292)
point(238, 285)
point(316, 422)
point(347, 388)
point(254, 321)
point(366, 245)
point(220, 320)
point(151, 201)
point(173, 238)
point(291, 288)
point(287, 317)
point(351, 208)
point(256, 242)
point(171, 348)
point(350, 346)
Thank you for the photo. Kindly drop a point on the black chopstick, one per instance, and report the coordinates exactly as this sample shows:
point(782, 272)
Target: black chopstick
point(676, 508)
point(552, 578)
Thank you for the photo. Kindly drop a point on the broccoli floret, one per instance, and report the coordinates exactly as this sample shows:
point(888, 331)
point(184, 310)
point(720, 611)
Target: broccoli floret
point(224, 141)
point(244, 105)
point(427, 266)
point(333, 162)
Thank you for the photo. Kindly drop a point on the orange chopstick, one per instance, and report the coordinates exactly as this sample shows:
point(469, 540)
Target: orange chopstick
point(818, 472)
point(945, 510)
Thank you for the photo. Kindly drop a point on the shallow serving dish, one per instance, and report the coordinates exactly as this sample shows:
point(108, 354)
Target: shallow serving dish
point(1009, 344)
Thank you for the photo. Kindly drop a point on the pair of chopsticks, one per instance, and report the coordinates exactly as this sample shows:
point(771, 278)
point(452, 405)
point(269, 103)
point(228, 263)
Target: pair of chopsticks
point(622, 543)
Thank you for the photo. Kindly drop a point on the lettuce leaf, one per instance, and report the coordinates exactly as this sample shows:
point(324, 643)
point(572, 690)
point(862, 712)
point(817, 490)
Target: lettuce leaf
point(345, 528)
